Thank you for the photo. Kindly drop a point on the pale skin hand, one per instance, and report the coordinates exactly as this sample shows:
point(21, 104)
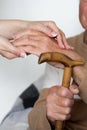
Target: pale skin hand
point(59, 102)
point(7, 30)
point(48, 27)
point(7, 48)
point(17, 28)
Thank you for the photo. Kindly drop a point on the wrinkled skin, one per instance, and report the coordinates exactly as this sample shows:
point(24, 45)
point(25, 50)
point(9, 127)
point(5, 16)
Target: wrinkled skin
point(59, 102)
point(14, 29)
point(83, 13)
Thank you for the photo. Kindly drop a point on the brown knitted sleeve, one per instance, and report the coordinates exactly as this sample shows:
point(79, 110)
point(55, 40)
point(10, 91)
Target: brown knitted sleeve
point(37, 117)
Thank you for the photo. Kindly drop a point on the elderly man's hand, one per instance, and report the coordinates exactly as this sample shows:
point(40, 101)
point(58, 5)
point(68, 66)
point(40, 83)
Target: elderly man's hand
point(36, 42)
point(59, 102)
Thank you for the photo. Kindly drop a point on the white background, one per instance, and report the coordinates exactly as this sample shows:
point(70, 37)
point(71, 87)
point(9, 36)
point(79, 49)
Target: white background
point(17, 74)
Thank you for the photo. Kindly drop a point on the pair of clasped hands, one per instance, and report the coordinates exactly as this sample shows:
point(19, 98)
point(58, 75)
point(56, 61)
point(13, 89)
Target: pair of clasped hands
point(19, 38)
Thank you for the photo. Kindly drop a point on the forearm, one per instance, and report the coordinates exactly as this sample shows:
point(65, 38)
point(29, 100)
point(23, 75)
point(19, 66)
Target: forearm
point(37, 117)
point(10, 27)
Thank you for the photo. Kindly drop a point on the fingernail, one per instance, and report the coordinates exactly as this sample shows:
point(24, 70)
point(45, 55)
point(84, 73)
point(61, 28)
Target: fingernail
point(23, 55)
point(53, 34)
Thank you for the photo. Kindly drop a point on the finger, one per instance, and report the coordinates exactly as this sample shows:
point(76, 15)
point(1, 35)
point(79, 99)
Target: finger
point(74, 89)
point(52, 25)
point(65, 102)
point(26, 32)
point(58, 113)
point(40, 26)
point(52, 107)
point(62, 42)
point(35, 41)
point(66, 45)
point(8, 47)
point(29, 45)
point(15, 51)
point(60, 35)
point(60, 91)
point(26, 41)
point(64, 92)
point(7, 55)
point(31, 50)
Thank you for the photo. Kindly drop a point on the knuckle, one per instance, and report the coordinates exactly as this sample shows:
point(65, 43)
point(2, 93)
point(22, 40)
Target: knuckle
point(68, 110)
point(64, 92)
point(67, 103)
point(65, 117)
point(46, 39)
point(49, 114)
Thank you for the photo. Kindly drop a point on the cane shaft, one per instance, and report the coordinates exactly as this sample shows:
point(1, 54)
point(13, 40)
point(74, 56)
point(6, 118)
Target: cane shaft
point(65, 83)
point(67, 77)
